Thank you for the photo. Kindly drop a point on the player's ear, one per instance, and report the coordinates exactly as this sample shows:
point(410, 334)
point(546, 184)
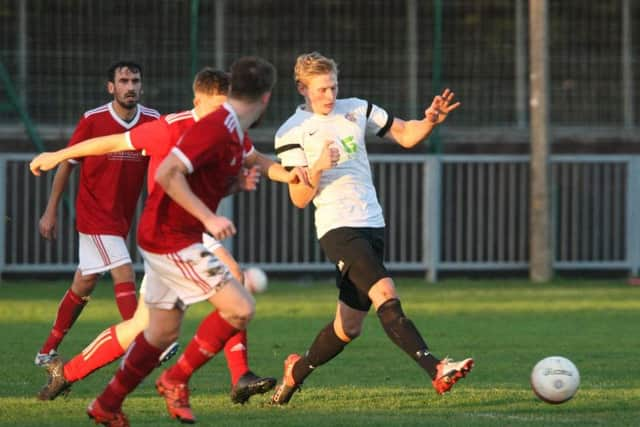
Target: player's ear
point(301, 88)
point(111, 88)
point(266, 97)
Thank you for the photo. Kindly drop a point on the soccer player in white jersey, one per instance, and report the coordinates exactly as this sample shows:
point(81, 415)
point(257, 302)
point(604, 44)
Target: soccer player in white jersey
point(327, 135)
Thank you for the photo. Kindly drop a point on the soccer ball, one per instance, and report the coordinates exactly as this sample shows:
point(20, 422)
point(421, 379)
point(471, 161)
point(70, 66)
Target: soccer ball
point(555, 379)
point(255, 280)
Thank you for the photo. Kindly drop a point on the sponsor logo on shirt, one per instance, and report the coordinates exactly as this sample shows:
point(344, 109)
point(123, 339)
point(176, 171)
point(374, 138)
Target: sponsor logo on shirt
point(126, 156)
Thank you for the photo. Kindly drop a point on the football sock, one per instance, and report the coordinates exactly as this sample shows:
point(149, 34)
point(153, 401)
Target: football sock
point(404, 334)
point(125, 293)
point(325, 347)
point(235, 351)
point(102, 351)
point(69, 309)
point(140, 360)
point(210, 338)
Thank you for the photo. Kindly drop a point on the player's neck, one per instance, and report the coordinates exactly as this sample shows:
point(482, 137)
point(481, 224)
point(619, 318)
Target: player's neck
point(247, 113)
point(126, 114)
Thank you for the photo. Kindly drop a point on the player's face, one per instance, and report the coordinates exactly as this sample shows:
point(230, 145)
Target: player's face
point(126, 88)
point(320, 93)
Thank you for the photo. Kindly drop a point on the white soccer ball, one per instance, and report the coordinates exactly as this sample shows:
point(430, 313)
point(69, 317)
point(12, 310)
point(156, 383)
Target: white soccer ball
point(555, 379)
point(255, 280)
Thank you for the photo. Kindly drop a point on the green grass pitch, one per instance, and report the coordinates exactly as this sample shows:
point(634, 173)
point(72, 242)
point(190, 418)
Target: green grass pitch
point(505, 325)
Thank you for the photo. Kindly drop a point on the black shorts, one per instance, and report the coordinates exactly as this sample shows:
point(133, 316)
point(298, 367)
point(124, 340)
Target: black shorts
point(358, 254)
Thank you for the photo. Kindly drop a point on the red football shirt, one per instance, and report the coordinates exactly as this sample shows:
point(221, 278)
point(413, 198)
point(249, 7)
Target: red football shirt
point(156, 139)
point(213, 151)
point(110, 184)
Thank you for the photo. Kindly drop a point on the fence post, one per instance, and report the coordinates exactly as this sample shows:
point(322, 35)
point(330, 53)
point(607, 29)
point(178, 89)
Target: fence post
point(633, 216)
point(431, 209)
point(3, 212)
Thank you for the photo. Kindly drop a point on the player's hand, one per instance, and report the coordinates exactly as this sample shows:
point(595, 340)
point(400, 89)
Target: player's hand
point(299, 175)
point(47, 226)
point(43, 162)
point(441, 107)
point(248, 179)
point(220, 227)
point(328, 157)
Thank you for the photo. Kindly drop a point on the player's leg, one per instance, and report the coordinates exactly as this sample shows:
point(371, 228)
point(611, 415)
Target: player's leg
point(402, 331)
point(108, 346)
point(194, 274)
point(110, 253)
point(69, 309)
point(139, 362)
point(124, 289)
point(235, 307)
point(367, 271)
point(244, 382)
point(329, 342)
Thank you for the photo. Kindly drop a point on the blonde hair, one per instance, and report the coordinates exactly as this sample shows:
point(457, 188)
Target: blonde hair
point(313, 64)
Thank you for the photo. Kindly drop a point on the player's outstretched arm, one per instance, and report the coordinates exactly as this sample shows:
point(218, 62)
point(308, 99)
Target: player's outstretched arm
point(90, 147)
point(275, 171)
point(410, 133)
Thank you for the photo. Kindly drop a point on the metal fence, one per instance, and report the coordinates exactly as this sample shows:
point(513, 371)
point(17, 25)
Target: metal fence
point(443, 213)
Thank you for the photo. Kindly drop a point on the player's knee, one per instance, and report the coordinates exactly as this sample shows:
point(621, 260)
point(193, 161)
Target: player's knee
point(352, 332)
point(243, 313)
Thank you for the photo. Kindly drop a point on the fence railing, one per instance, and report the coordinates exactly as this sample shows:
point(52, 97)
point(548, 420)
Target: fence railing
point(443, 213)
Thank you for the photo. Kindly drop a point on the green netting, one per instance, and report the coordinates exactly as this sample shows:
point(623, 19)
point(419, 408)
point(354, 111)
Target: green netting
point(57, 53)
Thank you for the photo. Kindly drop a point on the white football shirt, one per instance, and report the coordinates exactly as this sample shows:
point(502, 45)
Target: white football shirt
point(346, 195)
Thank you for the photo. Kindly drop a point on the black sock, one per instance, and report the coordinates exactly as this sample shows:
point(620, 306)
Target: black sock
point(325, 347)
point(404, 334)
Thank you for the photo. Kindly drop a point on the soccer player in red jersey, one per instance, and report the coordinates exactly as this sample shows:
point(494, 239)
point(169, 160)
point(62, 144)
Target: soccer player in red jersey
point(156, 138)
point(179, 270)
point(108, 192)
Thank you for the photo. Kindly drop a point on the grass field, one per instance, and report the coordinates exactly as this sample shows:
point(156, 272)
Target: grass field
point(506, 325)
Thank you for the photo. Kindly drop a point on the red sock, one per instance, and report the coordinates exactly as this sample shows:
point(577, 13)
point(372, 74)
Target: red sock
point(126, 299)
point(69, 309)
point(235, 351)
point(102, 351)
point(140, 360)
point(209, 339)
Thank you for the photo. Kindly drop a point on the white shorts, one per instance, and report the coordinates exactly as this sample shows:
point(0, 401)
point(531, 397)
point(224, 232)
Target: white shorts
point(183, 278)
point(101, 252)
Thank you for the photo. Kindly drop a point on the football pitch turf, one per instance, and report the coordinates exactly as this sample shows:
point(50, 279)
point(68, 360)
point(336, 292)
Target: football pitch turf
point(505, 325)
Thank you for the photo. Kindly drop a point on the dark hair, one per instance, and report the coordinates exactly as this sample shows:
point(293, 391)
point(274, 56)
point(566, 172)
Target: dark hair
point(211, 81)
point(132, 66)
point(251, 77)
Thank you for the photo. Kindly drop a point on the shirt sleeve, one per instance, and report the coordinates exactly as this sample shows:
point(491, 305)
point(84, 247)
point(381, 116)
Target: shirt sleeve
point(378, 120)
point(289, 149)
point(81, 133)
point(152, 138)
point(247, 146)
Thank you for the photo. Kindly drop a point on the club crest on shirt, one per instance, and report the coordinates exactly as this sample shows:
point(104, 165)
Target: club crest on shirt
point(351, 117)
